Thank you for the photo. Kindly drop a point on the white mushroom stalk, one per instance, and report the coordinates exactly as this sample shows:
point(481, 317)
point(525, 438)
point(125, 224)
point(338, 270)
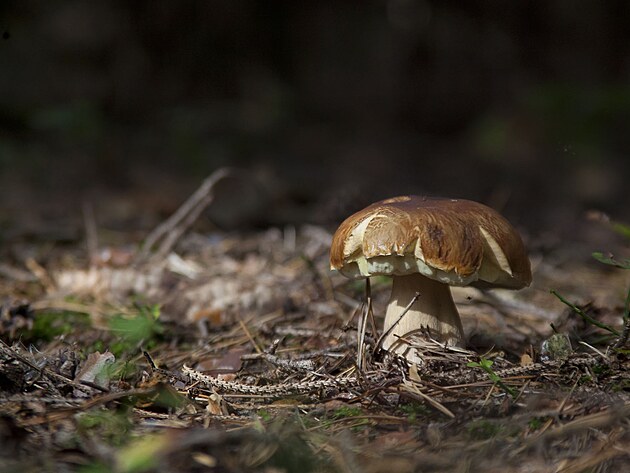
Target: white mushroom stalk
point(433, 312)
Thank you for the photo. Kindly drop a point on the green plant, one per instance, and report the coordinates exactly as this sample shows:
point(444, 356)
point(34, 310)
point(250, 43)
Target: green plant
point(623, 385)
point(622, 264)
point(585, 379)
point(95, 467)
point(536, 423)
point(609, 260)
point(346, 411)
point(483, 429)
point(621, 228)
point(486, 365)
point(113, 427)
point(264, 415)
point(584, 315)
point(49, 325)
point(413, 410)
point(142, 453)
point(140, 327)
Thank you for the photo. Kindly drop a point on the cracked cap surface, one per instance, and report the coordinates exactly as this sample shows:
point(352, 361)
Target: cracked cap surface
point(454, 241)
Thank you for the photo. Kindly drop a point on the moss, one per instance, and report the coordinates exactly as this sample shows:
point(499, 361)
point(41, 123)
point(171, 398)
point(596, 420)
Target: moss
point(49, 325)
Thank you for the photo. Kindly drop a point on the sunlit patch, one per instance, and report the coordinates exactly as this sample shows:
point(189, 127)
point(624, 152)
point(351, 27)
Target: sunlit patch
point(496, 254)
point(355, 239)
point(393, 200)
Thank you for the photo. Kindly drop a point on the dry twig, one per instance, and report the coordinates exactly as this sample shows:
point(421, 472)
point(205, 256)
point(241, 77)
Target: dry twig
point(10, 352)
point(175, 226)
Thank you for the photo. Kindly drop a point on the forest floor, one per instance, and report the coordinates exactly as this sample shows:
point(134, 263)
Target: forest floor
point(233, 352)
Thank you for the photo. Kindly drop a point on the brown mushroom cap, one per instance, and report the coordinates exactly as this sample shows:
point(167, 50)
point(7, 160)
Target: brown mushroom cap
point(457, 242)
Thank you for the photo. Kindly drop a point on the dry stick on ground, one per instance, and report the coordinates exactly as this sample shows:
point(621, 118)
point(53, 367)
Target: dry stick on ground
point(611, 416)
point(66, 411)
point(249, 335)
point(379, 342)
point(166, 373)
point(174, 227)
point(466, 375)
point(13, 353)
point(363, 324)
point(594, 350)
point(413, 390)
point(592, 459)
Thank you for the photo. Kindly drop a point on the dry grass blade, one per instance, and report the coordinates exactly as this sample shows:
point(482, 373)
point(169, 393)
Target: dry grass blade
point(413, 389)
point(594, 459)
point(14, 353)
point(363, 320)
point(611, 416)
point(175, 226)
point(380, 340)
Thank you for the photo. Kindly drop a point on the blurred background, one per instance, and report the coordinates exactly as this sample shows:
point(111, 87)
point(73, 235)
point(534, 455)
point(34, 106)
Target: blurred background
point(326, 106)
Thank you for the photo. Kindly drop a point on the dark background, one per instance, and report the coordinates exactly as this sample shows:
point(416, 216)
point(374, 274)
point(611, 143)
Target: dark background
point(326, 105)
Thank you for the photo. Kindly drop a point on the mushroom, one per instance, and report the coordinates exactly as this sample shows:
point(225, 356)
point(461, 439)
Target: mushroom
point(426, 245)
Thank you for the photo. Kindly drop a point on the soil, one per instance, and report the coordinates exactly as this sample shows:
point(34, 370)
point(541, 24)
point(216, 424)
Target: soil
point(237, 351)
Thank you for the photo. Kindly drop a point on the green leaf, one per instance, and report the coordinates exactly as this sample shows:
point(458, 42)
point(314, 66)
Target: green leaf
point(143, 454)
point(609, 260)
point(48, 325)
point(142, 326)
point(486, 365)
point(622, 229)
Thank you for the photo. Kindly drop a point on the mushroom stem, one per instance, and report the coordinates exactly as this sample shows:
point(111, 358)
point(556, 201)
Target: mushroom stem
point(433, 310)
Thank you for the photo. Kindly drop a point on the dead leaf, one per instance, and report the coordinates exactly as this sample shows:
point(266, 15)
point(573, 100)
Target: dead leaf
point(94, 370)
point(216, 405)
point(229, 363)
point(526, 359)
